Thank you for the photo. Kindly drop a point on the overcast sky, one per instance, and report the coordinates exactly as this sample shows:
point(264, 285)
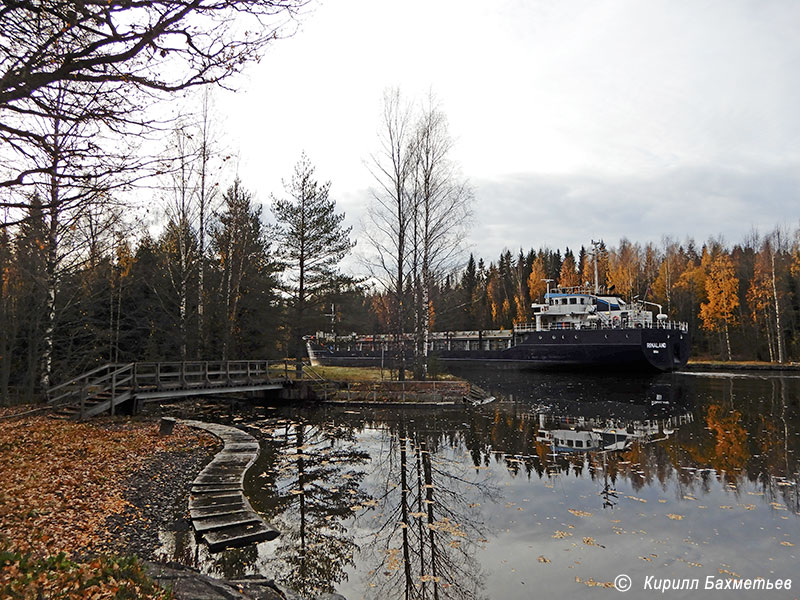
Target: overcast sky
point(572, 120)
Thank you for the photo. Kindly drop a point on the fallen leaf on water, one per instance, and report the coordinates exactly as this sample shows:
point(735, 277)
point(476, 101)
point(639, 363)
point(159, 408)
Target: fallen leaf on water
point(592, 583)
point(637, 499)
point(543, 559)
point(561, 534)
point(579, 513)
point(674, 517)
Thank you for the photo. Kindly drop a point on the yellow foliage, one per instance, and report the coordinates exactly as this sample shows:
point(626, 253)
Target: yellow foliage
point(722, 291)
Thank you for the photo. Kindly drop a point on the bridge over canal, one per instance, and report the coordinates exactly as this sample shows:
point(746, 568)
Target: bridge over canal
point(106, 388)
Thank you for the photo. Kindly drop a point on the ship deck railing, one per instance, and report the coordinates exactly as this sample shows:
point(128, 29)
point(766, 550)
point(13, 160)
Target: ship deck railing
point(670, 325)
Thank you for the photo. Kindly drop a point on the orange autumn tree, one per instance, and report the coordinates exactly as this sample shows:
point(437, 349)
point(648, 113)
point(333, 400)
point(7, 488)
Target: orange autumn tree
point(759, 297)
point(536, 284)
point(623, 268)
point(718, 312)
point(569, 271)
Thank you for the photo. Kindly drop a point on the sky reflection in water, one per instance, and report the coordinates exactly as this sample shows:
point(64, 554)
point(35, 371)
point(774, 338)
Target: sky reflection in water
point(684, 476)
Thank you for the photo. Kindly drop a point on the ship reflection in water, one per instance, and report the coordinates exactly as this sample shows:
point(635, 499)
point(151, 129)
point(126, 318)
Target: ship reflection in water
point(563, 482)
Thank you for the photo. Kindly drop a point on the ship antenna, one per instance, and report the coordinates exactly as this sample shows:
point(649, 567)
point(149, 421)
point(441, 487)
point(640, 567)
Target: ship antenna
point(595, 246)
point(332, 315)
point(547, 281)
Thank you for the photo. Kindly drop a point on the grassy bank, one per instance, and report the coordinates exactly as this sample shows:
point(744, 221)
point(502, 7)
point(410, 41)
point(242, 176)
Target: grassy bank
point(706, 363)
point(352, 374)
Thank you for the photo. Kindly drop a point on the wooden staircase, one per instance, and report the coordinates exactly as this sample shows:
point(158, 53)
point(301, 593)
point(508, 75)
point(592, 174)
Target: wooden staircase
point(324, 389)
point(100, 390)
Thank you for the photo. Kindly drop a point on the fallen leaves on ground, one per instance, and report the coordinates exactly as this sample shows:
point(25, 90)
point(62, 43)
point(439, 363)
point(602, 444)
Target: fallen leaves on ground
point(57, 577)
point(62, 480)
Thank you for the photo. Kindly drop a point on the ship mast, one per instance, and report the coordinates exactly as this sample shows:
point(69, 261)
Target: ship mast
point(595, 246)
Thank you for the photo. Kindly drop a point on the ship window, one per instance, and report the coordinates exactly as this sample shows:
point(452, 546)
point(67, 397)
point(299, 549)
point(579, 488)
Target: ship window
point(579, 443)
point(569, 443)
point(573, 300)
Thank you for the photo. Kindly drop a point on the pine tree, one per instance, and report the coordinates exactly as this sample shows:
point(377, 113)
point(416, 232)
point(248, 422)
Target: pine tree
point(311, 241)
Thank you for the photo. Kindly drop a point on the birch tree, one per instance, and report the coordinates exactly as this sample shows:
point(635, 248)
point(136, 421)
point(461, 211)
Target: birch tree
point(441, 206)
point(718, 312)
point(140, 50)
point(390, 213)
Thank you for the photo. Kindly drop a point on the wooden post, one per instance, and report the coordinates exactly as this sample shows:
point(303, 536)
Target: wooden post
point(166, 426)
point(113, 390)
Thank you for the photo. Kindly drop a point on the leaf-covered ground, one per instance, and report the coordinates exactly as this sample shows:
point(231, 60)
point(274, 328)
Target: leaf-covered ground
point(56, 577)
point(60, 481)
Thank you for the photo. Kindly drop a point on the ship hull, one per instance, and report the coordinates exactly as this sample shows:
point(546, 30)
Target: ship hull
point(628, 349)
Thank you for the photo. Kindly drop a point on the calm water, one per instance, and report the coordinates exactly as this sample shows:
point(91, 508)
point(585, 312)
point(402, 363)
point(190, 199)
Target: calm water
point(560, 485)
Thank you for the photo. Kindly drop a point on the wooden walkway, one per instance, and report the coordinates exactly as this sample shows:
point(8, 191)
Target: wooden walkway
point(219, 510)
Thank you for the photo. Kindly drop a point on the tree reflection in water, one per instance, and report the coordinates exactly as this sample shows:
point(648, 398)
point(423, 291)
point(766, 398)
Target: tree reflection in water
point(310, 489)
point(425, 543)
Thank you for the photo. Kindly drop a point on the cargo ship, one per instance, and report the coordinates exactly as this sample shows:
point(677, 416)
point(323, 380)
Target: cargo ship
point(573, 327)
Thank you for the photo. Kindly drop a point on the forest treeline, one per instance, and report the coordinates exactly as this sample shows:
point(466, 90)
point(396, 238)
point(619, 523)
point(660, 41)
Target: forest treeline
point(110, 298)
point(126, 300)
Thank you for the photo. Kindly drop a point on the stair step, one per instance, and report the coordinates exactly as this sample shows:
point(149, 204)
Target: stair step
point(239, 536)
point(211, 500)
point(217, 511)
point(215, 489)
point(225, 521)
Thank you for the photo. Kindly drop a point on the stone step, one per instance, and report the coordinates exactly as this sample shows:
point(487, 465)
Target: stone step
point(214, 479)
point(217, 511)
point(225, 521)
point(240, 535)
point(215, 488)
point(210, 500)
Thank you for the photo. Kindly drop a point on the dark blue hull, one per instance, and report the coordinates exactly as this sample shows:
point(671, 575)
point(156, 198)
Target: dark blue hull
point(629, 349)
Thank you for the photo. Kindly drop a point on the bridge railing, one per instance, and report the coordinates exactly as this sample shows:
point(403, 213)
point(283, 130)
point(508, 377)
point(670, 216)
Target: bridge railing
point(116, 382)
point(204, 373)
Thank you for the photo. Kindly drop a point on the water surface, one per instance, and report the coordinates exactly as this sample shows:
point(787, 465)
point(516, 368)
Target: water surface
point(561, 484)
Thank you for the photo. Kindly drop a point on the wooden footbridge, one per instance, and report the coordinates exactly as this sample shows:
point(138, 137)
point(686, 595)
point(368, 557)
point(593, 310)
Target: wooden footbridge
point(105, 388)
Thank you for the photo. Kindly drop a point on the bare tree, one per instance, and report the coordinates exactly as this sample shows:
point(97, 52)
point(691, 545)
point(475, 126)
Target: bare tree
point(123, 47)
point(181, 235)
point(441, 209)
point(420, 211)
point(69, 204)
point(207, 153)
point(391, 214)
